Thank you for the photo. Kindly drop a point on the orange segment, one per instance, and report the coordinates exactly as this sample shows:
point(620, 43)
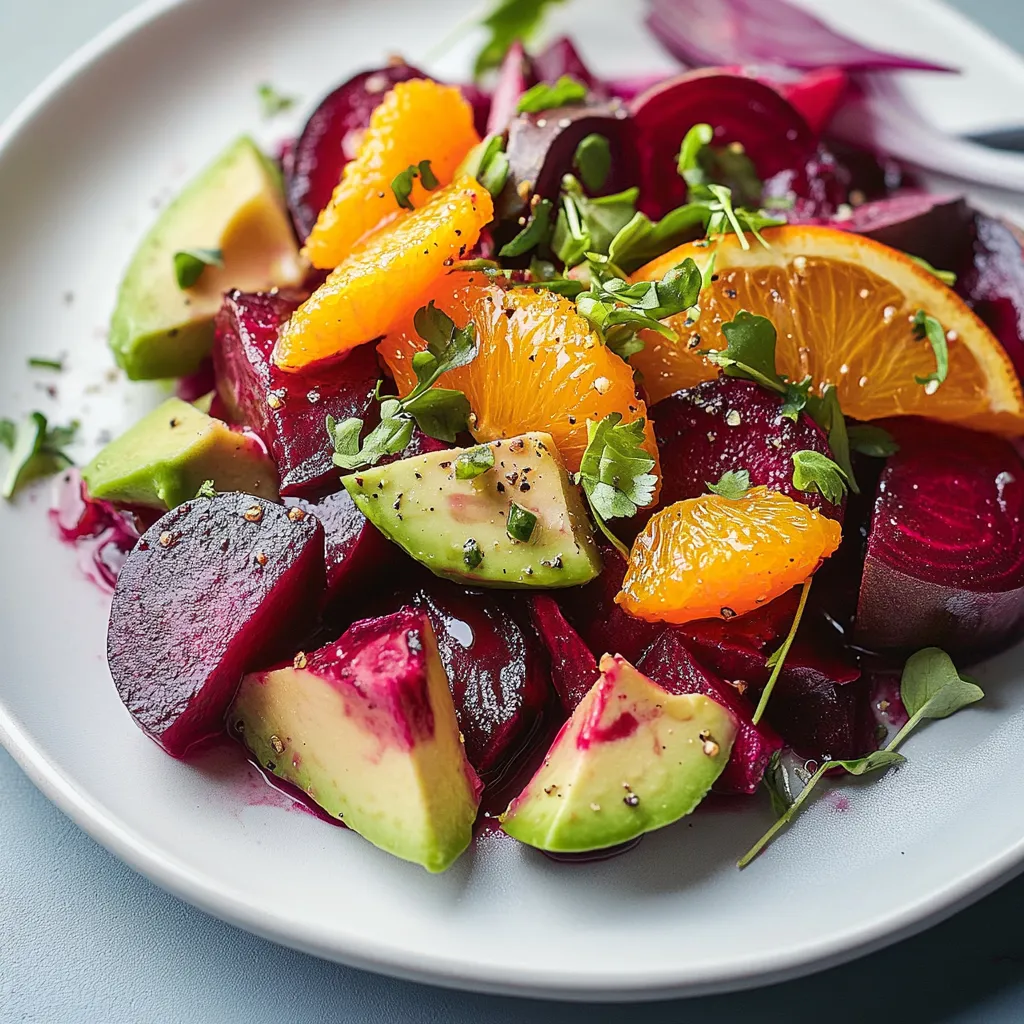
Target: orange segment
point(386, 279)
point(539, 366)
point(842, 305)
point(417, 120)
point(713, 557)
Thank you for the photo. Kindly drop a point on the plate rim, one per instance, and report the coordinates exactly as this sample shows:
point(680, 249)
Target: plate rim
point(175, 876)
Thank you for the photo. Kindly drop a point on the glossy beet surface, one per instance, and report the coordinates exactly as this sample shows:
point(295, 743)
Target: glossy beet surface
point(573, 665)
point(992, 282)
point(835, 723)
point(541, 147)
point(672, 665)
point(288, 410)
point(739, 108)
point(945, 556)
point(331, 138)
point(497, 668)
point(725, 424)
point(216, 587)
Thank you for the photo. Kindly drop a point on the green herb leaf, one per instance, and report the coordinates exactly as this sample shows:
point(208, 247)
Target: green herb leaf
point(273, 102)
point(508, 21)
point(794, 398)
point(750, 350)
point(931, 687)
point(36, 450)
point(947, 277)
point(593, 160)
point(472, 556)
point(545, 96)
point(782, 788)
point(778, 659)
point(641, 240)
point(488, 164)
point(868, 439)
point(536, 232)
point(814, 472)
point(474, 461)
point(440, 412)
point(858, 766)
point(402, 183)
point(520, 523)
point(824, 410)
point(734, 484)
point(586, 225)
point(206, 490)
point(42, 363)
point(189, 265)
point(926, 326)
point(688, 161)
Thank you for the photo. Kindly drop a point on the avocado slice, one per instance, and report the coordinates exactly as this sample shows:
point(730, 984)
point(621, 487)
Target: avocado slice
point(235, 205)
point(473, 529)
point(632, 758)
point(366, 727)
point(165, 458)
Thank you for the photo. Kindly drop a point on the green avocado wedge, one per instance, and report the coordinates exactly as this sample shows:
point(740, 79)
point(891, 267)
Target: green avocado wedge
point(504, 514)
point(234, 207)
point(631, 759)
point(166, 457)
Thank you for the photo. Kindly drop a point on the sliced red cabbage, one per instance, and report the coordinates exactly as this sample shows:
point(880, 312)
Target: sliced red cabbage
point(703, 32)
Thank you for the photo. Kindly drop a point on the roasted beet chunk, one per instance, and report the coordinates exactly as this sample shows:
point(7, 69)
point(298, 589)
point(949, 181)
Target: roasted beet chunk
point(835, 723)
point(945, 556)
point(497, 669)
point(573, 666)
point(670, 664)
point(287, 410)
point(331, 138)
point(216, 587)
point(730, 424)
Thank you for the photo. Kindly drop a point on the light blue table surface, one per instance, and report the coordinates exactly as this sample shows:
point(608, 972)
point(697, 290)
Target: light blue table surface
point(84, 940)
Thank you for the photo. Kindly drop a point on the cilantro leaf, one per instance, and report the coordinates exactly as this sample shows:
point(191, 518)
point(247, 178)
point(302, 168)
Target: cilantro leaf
point(926, 326)
point(813, 471)
point(931, 687)
point(36, 450)
point(868, 439)
point(508, 21)
point(207, 490)
point(794, 398)
point(750, 350)
point(189, 265)
point(439, 412)
point(401, 184)
point(474, 461)
point(733, 484)
point(947, 277)
point(615, 472)
point(273, 102)
point(593, 160)
point(547, 96)
point(536, 231)
point(488, 164)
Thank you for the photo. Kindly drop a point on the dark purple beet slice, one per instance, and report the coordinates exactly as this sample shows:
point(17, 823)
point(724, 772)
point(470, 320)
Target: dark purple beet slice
point(560, 57)
point(739, 108)
point(729, 424)
point(670, 664)
point(496, 666)
point(993, 282)
point(330, 140)
point(541, 148)
point(945, 556)
point(288, 410)
point(216, 587)
point(573, 666)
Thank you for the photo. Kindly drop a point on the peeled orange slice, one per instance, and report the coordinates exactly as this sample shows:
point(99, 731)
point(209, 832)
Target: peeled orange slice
point(417, 120)
point(539, 366)
point(843, 306)
point(715, 557)
point(386, 279)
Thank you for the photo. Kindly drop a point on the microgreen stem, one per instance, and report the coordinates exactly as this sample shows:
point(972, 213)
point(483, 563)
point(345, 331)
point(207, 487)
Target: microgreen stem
point(790, 813)
point(783, 651)
point(612, 539)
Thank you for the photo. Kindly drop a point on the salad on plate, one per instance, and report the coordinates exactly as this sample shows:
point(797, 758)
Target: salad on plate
point(555, 453)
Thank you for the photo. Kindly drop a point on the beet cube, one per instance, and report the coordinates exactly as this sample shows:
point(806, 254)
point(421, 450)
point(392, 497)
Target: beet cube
point(573, 665)
point(216, 587)
point(288, 410)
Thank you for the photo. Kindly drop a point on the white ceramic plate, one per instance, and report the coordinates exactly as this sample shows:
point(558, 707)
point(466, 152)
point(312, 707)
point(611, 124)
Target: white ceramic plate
point(81, 166)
